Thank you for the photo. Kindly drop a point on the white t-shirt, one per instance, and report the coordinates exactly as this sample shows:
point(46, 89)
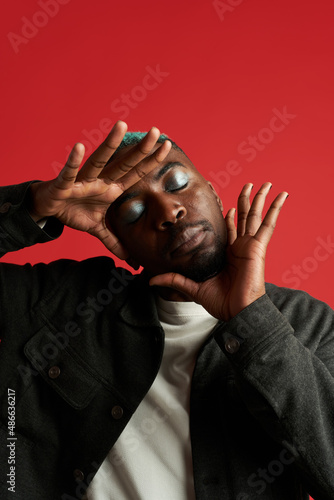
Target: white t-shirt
point(152, 458)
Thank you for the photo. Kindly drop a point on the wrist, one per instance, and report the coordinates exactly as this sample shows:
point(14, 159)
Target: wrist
point(31, 205)
point(246, 303)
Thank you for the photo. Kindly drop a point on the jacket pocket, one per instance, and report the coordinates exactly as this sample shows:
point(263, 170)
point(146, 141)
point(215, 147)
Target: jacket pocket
point(61, 367)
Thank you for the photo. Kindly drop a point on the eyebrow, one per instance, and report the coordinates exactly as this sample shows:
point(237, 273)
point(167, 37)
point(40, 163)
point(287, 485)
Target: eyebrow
point(129, 196)
point(167, 167)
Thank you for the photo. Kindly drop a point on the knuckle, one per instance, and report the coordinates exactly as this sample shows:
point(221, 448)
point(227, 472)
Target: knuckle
point(276, 206)
point(144, 150)
point(71, 166)
point(124, 167)
point(160, 154)
point(109, 144)
point(254, 213)
point(90, 178)
point(67, 178)
point(140, 173)
point(120, 185)
point(242, 214)
point(97, 163)
point(173, 278)
point(269, 224)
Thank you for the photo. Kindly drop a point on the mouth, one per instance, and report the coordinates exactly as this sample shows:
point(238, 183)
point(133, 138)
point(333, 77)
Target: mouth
point(187, 241)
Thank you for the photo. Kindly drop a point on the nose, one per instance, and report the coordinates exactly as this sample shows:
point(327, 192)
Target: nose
point(167, 211)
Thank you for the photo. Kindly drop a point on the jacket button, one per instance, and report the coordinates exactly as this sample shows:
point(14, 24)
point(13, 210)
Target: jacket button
point(117, 412)
point(5, 207)
point(78, 475)
point(54, 372)
point(232, 345)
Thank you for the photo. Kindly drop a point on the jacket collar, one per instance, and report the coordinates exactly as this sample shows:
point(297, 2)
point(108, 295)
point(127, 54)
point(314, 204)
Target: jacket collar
point(140, 308)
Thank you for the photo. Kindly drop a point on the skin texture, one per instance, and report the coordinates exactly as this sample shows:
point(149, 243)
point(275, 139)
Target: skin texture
point(80, 198)
point(175, 218)
point(180, 227)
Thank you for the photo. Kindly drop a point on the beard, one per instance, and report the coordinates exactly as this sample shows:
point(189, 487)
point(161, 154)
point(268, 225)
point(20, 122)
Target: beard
point(204, 263)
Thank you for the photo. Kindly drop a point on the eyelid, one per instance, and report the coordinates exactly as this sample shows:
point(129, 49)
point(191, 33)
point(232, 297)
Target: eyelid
point(130, 215)
point(178, 180)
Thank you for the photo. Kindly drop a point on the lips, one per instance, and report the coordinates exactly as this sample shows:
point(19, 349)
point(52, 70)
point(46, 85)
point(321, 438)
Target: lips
point(186, 241)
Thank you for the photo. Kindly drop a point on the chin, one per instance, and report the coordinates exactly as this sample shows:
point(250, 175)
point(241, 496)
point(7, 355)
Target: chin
point(205, 265)
point(206, 270)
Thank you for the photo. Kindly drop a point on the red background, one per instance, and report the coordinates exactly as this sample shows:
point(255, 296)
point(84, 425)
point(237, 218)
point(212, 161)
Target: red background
point(224, 73)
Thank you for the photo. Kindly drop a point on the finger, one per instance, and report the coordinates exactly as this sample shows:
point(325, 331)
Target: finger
point(177, 282)
point(144, 167)
point(111, 242)
point(68, 175)
point(243, 208)
point(131, 158)
point(96, 162)
point(267, 227)
point(230, 226)
point(254, 217)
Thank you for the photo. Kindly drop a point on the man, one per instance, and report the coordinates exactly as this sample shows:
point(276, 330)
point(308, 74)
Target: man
point(192, 380)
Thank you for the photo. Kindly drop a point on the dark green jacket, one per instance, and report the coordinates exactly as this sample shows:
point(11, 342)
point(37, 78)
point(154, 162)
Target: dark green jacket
point(81, 345)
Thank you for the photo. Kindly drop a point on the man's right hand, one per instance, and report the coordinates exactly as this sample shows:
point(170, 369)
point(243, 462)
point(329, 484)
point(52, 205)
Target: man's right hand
point(80, 198)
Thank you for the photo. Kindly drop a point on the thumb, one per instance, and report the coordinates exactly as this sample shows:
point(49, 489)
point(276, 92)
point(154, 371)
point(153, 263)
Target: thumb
point(177, 282)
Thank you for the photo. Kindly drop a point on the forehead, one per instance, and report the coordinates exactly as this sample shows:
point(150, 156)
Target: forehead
point(174, 156)
point(174, 159)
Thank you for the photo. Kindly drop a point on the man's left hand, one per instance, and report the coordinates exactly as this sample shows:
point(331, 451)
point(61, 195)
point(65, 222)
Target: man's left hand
point(242, 280)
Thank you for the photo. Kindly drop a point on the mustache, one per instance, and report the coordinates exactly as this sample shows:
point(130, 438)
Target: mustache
point(176, 229)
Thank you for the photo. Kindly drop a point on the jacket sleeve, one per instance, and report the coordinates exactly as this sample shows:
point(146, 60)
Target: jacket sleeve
point(282, 350)
point(17, 228)
point(23, 286)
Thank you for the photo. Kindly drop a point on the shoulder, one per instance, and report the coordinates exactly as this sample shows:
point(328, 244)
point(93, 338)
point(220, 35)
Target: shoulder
point(300, 301)
point(89, 275)
point(61, 283)
point(309, 317)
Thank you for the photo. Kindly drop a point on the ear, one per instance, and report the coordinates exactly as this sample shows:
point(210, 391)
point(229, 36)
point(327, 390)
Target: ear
point(220, 204)
point(132, 263)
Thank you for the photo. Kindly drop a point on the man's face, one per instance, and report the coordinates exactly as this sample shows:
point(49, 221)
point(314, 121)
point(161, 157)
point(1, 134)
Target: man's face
point(171, 220)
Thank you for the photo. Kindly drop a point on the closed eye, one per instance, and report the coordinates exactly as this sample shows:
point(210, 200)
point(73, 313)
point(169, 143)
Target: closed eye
point(134, 212)
point(179, 180)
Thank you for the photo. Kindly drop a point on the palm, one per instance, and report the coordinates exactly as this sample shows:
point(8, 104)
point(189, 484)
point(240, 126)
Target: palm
point(242, 280)
point(84, 206)
point(242, 277)
point(80, 198)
